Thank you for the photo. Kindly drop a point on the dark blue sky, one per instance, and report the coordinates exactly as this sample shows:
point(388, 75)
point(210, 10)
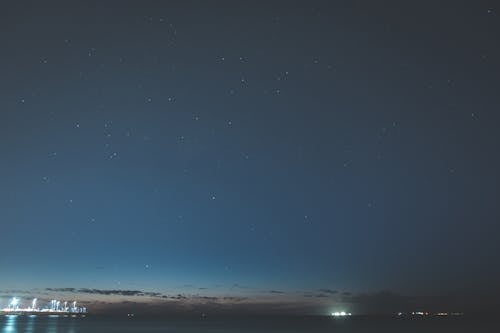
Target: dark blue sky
point(299, 156)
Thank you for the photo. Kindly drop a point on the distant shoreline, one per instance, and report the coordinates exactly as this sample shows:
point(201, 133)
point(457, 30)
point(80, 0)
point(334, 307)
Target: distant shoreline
point(41, 314)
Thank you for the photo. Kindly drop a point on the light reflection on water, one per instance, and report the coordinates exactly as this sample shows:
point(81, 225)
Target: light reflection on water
point(31, 324)
point(10, 324)
point(52, 325)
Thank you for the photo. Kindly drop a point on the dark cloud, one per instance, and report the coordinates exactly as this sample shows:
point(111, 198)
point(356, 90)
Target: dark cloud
point(106, 292)
point(234, 298)
point(276, 292)
point(142, 293)
point(316, 295)
point(179, 296)
point(328, 291)
point(62, 290)
point(209, 298)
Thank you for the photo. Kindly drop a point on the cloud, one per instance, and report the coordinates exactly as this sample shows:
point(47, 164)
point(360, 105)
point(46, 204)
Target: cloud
point(234, 298)
point(276, 292)
point(328, 291)
point(316, 295)
point(106, 292)
point(62, 290)
point(155, 295)
point(209, 298)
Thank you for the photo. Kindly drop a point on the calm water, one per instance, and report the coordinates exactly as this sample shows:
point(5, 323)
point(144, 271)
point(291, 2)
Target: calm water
point(261, 325)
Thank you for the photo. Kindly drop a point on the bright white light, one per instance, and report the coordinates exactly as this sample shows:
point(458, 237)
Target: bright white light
point(341, 314)
point(14, 302)
point(14, 306)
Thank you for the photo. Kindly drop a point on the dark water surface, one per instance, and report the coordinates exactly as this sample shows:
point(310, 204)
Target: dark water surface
point(15, 324)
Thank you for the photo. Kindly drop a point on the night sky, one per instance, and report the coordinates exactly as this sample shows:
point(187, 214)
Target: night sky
point(294, 157)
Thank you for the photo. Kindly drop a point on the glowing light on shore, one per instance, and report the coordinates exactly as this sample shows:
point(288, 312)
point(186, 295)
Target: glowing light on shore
point(341, 314)
point(14, 307)
point(14, 302)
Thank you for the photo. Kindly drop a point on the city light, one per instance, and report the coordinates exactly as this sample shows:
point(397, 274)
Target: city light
point(14, 302)
point(53, 308)
point(341, 314)
point(428, 314)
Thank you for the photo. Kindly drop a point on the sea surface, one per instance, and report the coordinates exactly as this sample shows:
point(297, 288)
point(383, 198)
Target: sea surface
point(94, 324)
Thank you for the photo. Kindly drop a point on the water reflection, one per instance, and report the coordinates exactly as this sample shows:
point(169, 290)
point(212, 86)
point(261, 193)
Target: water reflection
point(10, 323)
point(52, 325)
point(30, 325)
point(71, 328)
